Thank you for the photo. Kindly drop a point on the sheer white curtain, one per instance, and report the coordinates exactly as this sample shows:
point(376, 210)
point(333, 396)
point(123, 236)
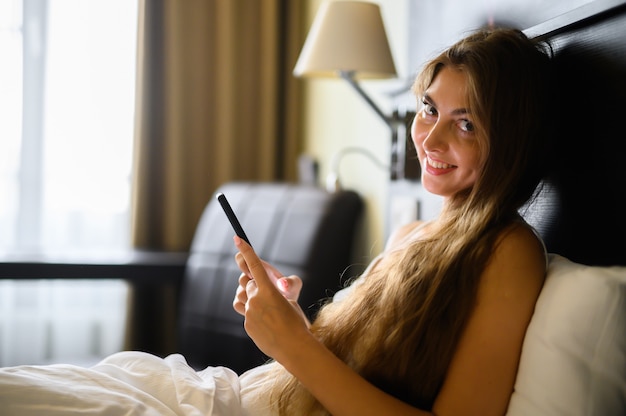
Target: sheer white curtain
point(66, 127)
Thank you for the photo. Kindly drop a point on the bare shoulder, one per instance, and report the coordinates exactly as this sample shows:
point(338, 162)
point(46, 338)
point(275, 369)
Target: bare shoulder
point(518, 254)
point(400, 234)
point(514, 275)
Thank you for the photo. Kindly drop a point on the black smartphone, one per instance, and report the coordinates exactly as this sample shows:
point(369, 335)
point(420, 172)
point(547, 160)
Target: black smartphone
point(232, 218)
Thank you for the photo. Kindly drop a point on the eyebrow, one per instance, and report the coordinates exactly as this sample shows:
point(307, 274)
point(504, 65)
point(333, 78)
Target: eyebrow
point(455, 112)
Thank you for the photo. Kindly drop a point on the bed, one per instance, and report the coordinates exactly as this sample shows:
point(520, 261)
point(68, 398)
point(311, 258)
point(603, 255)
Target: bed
point(574, 355)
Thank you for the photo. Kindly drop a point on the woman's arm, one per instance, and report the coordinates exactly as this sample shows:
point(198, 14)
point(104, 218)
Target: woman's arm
point(338, 387)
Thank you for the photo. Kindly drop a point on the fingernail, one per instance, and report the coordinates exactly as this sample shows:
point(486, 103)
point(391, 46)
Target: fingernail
point(237, 240)
point(284, 284)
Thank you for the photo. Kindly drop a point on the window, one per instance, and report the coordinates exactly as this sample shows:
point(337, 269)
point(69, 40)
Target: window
point(10, 116)
point(67, 109)
point(66, 126)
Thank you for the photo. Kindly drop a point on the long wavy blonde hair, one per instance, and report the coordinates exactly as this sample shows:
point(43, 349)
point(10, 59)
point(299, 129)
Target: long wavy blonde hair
point(400, 328)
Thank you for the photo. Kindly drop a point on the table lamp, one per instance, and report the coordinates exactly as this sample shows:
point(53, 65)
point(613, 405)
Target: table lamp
point(348, 40)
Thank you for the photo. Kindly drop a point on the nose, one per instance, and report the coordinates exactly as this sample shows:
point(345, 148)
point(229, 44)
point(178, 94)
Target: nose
point(435, 138)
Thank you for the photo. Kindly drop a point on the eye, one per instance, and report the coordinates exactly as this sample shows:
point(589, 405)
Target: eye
point(466, 125)
point(428, 108)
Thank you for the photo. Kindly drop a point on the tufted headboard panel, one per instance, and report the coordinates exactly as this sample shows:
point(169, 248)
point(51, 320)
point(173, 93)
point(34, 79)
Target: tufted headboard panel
point(581, 209)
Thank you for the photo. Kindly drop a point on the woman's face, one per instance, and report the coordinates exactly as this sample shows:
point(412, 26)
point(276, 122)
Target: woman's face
point(445, 136)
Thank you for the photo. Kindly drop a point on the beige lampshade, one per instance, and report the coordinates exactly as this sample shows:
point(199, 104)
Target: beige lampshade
point(346, 36)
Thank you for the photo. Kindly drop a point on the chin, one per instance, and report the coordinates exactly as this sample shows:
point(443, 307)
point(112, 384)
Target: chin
point(434, 189)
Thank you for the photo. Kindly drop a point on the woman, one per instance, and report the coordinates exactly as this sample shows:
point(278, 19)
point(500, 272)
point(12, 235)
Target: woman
point(437, 323)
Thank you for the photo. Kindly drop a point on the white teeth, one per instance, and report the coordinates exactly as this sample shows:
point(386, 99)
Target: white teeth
point(438, 165)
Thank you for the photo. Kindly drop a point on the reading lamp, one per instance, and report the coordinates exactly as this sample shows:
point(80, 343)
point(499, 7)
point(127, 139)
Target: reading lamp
point(348, 40)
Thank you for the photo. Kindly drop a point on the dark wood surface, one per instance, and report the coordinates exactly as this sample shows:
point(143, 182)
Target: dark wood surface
point(143, 267)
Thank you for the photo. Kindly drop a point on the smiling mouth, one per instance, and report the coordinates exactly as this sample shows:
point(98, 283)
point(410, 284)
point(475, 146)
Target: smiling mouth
point(438, 165)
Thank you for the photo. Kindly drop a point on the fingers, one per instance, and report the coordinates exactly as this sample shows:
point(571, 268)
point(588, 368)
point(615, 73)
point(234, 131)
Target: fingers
point(290, 286)
point(251, 290)
point(272, 271)
point(241, 297)
point(241, 263)
point(256, 274)
point(251, 262)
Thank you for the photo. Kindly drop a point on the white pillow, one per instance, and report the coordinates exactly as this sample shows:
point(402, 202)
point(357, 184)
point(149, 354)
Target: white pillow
point(574, 355)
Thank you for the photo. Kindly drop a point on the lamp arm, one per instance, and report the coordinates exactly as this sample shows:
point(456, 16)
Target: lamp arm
point(349, 77)
point(333, 184)
point(353, 149)
point(397, 123)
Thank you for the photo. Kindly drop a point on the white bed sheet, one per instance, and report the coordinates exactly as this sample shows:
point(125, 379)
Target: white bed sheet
point(128, 383)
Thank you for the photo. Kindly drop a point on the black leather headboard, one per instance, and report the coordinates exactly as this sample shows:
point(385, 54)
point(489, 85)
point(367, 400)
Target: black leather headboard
point(581, 211)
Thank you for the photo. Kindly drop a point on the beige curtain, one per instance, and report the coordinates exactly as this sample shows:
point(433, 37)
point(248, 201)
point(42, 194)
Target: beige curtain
point(216, 102)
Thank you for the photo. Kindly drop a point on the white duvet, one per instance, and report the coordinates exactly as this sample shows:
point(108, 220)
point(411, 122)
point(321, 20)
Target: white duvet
point(130, 383)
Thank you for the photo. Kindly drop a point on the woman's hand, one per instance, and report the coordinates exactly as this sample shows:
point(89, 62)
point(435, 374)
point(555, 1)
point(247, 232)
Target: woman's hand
point(289, 286)
point(268, 301)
